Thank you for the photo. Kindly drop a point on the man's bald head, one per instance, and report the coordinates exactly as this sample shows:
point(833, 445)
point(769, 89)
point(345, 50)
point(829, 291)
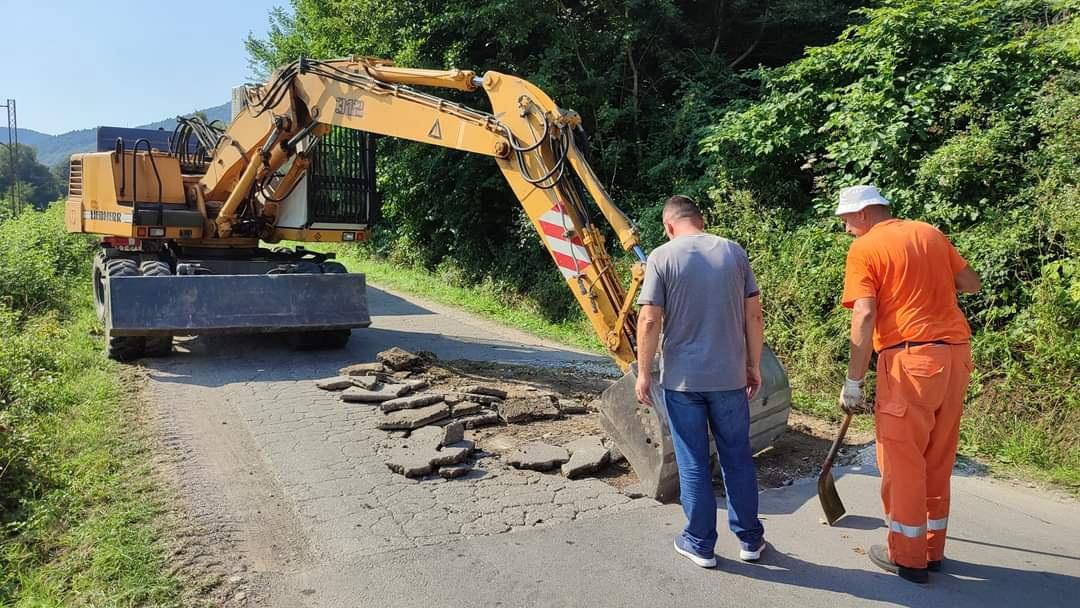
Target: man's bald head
point(679, 207)
point(681, 216)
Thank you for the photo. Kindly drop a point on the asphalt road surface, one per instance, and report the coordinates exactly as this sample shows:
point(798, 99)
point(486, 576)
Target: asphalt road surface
point(292, 504)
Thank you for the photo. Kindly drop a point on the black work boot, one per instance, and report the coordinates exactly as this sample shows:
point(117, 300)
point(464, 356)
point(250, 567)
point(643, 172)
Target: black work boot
point(880, 556)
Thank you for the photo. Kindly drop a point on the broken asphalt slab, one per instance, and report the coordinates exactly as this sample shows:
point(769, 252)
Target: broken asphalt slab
point(537, 456)
point(414, 418)
point(383, 392)
point(587, 455)
point(514, 411)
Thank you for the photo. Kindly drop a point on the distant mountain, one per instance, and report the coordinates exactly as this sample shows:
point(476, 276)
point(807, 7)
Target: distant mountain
point(53, 149)
point(222, 113)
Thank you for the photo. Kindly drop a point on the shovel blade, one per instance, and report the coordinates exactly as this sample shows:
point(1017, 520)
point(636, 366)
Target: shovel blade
point(830, 499)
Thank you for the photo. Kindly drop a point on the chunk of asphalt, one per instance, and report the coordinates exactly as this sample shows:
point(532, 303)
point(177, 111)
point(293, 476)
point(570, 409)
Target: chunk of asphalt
point(410, 463)
point(416, 384)
point(366, 382)
point(484, 399)
point(356, 394)
point(455, 471)
point(410, 402)
point(465, 408)
point(569, 407)
point(425, 438)
point(398, 359)
point(453, 433)
point(414, 418)
point(336, 383)
point(584, 443)
point(587, 455)
point(477, 389)
point(362, 369)
point(420, 453)
point(453, 453)
point(531, 408)
point(480, 420)
point(537, 456)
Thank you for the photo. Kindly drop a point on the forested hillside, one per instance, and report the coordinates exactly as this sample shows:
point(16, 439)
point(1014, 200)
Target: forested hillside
point(964, 113)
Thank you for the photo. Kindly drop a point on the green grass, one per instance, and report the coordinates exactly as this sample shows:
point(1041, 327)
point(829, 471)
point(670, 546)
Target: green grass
point(484, 300)
point(88, 528)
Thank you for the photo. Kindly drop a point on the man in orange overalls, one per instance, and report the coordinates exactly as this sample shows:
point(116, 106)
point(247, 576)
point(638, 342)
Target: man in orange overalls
point(901, 280)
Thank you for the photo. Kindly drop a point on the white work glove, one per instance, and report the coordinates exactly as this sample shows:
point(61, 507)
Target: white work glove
point(851, 397)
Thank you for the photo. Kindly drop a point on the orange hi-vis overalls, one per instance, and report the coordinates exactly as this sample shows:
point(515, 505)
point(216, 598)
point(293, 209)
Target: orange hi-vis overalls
point(923, 368)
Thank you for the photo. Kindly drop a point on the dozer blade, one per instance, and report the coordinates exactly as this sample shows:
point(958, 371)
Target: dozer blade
point(642, 434)
point(205, 304)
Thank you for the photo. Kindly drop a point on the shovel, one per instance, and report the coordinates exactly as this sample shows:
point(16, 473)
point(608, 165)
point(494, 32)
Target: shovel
point(826, 486)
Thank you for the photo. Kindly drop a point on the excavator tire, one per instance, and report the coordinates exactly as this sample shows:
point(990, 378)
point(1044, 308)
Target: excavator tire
point(98, 279)
point(319, 340)
point(157, 346)
point(123, 348)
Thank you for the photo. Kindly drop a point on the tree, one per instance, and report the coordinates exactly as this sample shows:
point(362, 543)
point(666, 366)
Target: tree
point(646, 75)
point(37, 185)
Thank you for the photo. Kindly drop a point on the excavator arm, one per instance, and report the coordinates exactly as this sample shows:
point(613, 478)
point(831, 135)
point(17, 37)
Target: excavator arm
point(531, 139)
point(182, 255)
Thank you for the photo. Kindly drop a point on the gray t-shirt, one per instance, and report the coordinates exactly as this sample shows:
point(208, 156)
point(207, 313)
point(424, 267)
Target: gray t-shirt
point(701, 282)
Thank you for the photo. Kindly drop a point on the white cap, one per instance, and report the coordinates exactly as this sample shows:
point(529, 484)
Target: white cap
point(857, 198)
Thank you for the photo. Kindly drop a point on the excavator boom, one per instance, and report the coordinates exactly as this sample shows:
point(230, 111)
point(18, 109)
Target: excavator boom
point(245, 189)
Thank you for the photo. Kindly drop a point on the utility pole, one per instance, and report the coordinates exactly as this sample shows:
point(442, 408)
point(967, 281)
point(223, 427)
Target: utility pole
point(13, 152)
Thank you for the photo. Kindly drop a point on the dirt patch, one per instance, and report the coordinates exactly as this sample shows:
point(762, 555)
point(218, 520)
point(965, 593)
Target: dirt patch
point(802, 448)
point(796, 454)
point(197, 553)
point(218, 562)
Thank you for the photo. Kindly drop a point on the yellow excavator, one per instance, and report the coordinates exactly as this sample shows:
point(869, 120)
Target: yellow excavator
point(182, 228)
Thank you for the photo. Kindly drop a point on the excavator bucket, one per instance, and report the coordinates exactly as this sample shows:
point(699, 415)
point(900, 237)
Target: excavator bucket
point(243, 303)
point(642, 434)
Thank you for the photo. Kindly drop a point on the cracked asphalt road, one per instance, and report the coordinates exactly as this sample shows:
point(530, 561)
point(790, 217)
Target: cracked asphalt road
point(297, 472)
point(294, 506)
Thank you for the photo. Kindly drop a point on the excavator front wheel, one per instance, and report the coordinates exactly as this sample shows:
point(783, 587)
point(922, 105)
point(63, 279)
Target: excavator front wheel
point(157, 346)
point(120, 348)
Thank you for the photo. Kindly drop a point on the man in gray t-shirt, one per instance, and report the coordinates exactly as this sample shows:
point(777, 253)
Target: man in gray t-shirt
point(701, 290)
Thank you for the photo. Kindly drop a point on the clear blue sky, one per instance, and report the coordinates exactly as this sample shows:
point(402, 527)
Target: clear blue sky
point(75, 64)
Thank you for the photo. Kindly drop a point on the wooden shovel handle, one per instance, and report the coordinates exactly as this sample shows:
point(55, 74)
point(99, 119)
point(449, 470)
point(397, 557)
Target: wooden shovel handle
point(825, 468)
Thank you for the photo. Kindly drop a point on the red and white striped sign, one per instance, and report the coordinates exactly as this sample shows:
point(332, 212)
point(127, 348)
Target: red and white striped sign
point(569, 253)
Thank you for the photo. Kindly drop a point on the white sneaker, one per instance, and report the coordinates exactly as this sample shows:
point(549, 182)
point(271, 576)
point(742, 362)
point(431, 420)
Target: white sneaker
point(752, 556)
point(688, 553)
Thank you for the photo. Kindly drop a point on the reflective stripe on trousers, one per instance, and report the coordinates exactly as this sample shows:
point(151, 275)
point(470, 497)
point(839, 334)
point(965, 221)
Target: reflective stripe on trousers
point(937, 524)
point(908, 531)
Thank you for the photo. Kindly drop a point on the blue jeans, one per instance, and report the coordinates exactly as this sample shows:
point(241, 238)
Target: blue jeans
point(727, 413)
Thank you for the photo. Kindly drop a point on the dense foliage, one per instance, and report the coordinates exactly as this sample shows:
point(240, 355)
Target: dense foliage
point(645, 74)
point(37, 185)
point(964, 113)
point(75, 506)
